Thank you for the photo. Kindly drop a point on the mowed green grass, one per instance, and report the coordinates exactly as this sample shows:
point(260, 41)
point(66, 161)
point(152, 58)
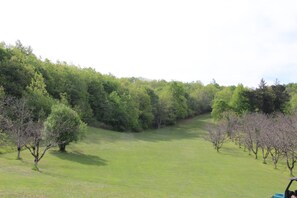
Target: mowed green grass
point(171, 162)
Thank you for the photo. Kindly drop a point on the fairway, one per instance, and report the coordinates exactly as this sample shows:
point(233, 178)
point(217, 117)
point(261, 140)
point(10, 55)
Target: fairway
point(175, 161)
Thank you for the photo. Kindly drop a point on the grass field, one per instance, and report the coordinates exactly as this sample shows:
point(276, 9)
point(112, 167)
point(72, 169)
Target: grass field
point(169, 162)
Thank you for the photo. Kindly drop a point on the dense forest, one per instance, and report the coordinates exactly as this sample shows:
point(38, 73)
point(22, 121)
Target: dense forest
point(128, 104)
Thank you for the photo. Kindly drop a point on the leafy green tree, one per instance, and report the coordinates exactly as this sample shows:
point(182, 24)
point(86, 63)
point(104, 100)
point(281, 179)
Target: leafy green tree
point(221, 102)
point(97, 96)
point(154, 99)
point(239, 102)
point(281, 98)
point(38, 98)
point(124, 112)
point(179, 100)
point(15, 76)
point(64, 126)
point(3, 52)
point(166, 110)
point(264, 98)
point(293, 103)
point(143, 103)
point(219, 108)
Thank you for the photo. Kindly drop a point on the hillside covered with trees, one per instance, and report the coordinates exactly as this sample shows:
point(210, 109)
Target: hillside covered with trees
point(122, 104)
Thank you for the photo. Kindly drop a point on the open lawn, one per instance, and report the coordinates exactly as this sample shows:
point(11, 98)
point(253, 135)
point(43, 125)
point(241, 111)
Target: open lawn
point(170, 162)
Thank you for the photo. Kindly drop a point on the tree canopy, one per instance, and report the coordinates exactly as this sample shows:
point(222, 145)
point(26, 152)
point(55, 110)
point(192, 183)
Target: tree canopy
point(123, 104)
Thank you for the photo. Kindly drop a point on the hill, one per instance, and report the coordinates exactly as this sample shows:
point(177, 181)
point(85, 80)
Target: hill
point(170, 162)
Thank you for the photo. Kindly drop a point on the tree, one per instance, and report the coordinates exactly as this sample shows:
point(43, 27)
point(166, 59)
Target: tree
point(15, 76)
point(221, 102)
point(276, 136)
point(281, 97)
point(292, 107)
point(239, 102)
point(287, 129)
point(219, 108)
point(16, 120)
point(217, 134)
point(264, 98)
point(142, 100)
point(64, 126)
point(97, 98)
point(35, 138)
point(201, 97)
point(266, 136)
point(252, 128)
point(165, 108)
point(38, 98)
point(179, 100)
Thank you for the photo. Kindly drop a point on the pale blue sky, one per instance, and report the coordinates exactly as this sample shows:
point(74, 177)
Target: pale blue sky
point(232, 41)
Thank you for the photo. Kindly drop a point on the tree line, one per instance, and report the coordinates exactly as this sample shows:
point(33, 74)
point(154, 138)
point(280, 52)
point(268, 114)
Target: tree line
point(122, 104)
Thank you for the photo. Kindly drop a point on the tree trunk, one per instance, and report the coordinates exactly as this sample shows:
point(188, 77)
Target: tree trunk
point(275, 164)
point(36, 164)
point(265, 155)
point(291, 172)
point(19, 153)
point(62, 147)
point(291, 167)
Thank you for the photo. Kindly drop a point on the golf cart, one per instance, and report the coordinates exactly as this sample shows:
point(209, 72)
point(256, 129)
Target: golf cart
point(290, 190)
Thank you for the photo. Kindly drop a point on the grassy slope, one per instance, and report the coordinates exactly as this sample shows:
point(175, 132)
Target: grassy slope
point(170, 162)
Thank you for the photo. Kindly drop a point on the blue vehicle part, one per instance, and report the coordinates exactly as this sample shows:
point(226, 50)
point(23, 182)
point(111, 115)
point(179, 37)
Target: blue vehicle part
point(288, 193)
point(278, 195)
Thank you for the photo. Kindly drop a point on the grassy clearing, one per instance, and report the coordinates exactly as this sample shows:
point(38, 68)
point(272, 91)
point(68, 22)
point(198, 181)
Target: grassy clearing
point(170, 162)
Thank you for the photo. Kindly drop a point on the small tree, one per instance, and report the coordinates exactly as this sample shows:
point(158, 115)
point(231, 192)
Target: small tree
point(266, 136)
point(64, 125)
point(287, 129)
point(217, 134)
point(35, 140)
point(252, 128)
point(15, 121)
point(276, 139)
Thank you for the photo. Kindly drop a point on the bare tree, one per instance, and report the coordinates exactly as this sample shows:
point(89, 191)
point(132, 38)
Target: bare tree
point(252, 128)
point(287, 132)
point(266, 136)
point(275, 140)
point(15, 120)
point(217, 134)
point(232, 121)
point(35, 139)
point(234, 129)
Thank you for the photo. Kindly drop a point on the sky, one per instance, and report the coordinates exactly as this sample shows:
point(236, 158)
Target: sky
point(231, 41)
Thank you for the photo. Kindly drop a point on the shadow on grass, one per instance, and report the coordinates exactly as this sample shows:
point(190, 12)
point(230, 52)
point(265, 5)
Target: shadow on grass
point(235, 152)
point(80, 158)
point(186, 129)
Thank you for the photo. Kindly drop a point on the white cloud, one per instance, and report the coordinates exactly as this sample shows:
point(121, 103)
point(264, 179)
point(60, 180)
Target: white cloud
point(231, 41)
